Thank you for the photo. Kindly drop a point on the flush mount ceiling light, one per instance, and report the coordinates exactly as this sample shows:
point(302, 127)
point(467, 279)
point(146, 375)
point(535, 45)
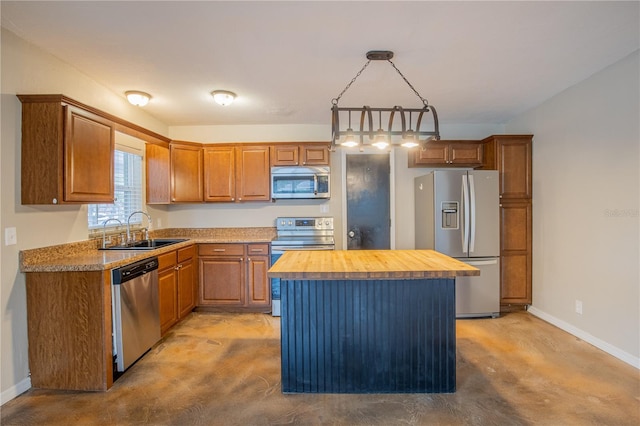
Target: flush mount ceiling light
point(223, 97)
point(137, 98)
point(395, 133)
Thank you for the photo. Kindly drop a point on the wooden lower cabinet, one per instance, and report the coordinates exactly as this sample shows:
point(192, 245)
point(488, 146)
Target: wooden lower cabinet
point(69, 330)
point(176, 286)
point(234, 277)
point(515, 252)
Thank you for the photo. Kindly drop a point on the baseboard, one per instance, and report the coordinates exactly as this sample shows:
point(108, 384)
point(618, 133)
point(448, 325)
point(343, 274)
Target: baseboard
point(14, 391)
point(583, 335)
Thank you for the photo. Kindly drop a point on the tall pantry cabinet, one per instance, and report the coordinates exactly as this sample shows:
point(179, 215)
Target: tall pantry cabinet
point(511, 156)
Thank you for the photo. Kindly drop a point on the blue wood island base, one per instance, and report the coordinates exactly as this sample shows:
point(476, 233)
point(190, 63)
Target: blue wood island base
point(368, 335)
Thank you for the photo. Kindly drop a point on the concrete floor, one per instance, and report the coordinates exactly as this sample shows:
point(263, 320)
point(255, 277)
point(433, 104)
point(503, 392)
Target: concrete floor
point(224, 369)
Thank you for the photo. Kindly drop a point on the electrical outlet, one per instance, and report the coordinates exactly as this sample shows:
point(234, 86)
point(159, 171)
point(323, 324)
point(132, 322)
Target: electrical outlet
point(579, 307)
point(10, 236)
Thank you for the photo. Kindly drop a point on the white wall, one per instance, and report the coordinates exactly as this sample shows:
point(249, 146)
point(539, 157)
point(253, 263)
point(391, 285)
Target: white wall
point(586, 184)
point(28, 70)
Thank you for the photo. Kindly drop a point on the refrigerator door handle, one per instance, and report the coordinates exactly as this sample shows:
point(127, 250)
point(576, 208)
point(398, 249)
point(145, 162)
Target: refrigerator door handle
point(465, 212)
point(472, 219)
point(481, 262)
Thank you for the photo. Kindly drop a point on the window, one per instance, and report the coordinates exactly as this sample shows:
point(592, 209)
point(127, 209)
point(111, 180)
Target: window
point(128, 192)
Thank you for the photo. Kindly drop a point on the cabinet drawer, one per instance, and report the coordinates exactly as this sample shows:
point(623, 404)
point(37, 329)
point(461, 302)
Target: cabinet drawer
point(221, 250)
point(258, 249)
point(166, 260)
point(186, 253)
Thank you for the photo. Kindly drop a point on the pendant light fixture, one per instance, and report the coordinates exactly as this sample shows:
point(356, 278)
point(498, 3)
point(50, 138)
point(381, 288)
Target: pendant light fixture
point(383, 137)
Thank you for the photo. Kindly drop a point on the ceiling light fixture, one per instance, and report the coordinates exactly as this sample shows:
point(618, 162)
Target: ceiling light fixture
point(399, 134)
point(137, 98)
point(223, 97)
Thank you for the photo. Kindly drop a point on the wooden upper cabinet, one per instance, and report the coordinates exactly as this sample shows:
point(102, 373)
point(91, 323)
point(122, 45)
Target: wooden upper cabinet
point(186, 172)
point(315, 154)
point(219, 174)
point(448, 153)
point(285, 155)
point(235, 173)
point(158, 172)
point(301, 154)
point(511, 156)
point(253, 173)
point(67, 153)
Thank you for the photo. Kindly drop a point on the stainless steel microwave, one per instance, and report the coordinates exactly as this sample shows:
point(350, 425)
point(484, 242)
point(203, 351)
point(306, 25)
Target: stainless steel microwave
point(300, 182)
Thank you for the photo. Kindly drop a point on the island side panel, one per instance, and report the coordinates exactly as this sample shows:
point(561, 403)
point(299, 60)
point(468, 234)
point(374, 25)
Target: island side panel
point(368, 336)
point(69, 330)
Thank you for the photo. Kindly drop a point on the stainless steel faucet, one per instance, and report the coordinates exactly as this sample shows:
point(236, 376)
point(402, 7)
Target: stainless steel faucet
point(129, 223)
point(104, 231)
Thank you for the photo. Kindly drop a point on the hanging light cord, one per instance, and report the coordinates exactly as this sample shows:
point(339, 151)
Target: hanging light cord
point(335, 101)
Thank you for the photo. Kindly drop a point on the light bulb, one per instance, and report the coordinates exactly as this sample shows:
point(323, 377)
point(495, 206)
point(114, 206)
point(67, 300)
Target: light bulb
point(349, 139)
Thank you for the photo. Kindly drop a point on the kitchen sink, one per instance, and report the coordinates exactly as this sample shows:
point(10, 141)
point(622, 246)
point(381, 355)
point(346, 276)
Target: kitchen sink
point(147, 244)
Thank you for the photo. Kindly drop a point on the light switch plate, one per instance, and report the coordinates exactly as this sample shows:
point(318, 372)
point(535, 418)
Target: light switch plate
point(10, 236)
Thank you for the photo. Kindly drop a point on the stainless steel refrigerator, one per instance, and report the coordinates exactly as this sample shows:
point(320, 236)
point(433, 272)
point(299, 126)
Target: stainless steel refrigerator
point(457, 213)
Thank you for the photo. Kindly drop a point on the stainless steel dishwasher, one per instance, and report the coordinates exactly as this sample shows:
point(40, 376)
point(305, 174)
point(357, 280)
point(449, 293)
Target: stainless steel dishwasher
point(136, 311)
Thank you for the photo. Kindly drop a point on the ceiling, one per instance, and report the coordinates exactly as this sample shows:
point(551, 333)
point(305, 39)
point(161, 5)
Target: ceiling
point(476, 62)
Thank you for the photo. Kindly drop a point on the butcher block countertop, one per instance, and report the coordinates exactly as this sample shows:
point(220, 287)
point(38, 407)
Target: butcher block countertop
point(368, 264)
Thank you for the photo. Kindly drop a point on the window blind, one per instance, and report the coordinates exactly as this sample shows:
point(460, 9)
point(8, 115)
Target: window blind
point(128, 193)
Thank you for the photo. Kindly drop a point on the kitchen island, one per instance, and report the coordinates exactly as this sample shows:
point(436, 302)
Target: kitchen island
point(368, 321)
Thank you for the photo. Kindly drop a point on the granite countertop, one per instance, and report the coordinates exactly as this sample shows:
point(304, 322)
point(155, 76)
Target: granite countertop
point(85, 255)
point(368, 264)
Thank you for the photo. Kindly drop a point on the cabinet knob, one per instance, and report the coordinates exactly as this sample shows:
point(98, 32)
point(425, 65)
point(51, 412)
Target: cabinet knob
point(233, 199)
point(55, 201)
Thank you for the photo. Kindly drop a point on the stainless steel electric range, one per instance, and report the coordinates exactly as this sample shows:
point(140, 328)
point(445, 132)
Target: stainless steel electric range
point(298, 233)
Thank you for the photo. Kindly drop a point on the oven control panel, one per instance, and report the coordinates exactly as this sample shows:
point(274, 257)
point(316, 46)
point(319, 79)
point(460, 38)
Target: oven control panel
point(304, 223)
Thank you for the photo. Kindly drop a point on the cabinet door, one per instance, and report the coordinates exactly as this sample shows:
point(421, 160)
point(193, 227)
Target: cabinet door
point(258, 283)
point(186, 173)
point(187, 281)
point(158, 172)
point(515, 252)
point(469, 154)
point(284, 155)
point(315, 155)
point(221, 281)
point(186, 287)
point(219, 174)
point(167, 295)
point(89, 147)
point(253, 173)
point(432, 153)
point(515, 167)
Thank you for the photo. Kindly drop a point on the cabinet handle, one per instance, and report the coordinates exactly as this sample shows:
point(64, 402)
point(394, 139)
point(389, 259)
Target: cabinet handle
point(222, 250)
point(256, 250)
point(178, 267)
